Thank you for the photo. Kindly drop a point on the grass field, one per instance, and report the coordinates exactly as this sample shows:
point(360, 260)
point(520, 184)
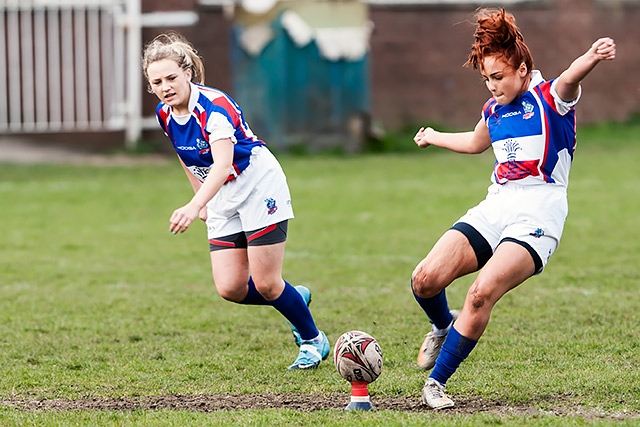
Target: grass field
point(104, 312)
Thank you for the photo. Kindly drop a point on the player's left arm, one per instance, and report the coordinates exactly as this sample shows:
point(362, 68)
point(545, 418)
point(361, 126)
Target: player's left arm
point(567, 85)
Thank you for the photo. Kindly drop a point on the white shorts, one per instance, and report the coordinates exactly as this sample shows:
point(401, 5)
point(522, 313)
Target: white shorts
point(531, 214)
point(258, 197)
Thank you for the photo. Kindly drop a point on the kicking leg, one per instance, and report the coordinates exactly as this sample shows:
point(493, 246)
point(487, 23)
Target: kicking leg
point(451, 257)
point(511, 265)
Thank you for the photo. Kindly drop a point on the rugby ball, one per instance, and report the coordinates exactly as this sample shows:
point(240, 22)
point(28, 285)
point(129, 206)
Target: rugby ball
point(358, 357)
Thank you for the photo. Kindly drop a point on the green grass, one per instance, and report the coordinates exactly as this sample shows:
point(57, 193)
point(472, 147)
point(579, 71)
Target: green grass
point(99, 300)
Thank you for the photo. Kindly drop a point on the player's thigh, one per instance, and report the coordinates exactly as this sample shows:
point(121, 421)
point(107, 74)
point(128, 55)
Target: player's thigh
point(230, 268)
point(510, 265)
point(451, 257)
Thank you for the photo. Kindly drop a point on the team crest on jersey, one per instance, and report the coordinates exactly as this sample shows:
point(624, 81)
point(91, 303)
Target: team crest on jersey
point(528, 110)
point(511, 146)
point(203, 146)
point(271, 206)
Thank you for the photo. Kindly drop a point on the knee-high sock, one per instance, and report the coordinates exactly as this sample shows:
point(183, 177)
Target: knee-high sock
point(455, 350)
point(436, 308)
point(293, 307)
point(253, 296)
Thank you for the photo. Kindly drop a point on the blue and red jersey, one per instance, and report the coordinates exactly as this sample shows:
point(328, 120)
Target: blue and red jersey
point(214, 115)
point(533, 137)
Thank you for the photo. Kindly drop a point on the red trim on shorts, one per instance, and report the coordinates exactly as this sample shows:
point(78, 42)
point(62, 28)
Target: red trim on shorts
point(222, 243)
point(267, 229)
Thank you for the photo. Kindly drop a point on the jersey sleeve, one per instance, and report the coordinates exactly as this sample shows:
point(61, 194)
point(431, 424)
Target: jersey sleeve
point(219, 127)
point(563, 107)
point(161, 116)
point(487, 109)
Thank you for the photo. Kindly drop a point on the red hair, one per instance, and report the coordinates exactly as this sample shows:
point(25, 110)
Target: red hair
point(497, 35)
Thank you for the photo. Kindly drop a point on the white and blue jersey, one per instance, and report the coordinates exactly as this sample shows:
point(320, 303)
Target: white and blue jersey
point(533, 137)
point(214, 115)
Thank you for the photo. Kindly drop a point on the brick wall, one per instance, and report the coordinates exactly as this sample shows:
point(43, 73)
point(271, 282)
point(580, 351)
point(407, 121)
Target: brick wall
point(416, 61)
point(417, 54)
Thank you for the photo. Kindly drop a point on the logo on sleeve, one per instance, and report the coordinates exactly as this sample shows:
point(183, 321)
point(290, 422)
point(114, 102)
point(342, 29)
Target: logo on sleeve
point(539, 232)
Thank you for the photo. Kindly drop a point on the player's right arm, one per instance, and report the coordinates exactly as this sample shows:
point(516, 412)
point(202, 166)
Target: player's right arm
point(472, 142)
point(195, 184)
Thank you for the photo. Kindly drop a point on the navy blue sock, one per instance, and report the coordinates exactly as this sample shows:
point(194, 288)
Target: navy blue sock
point(436, 308)
point(292, 306)
point(253, 296)
point(455, 350)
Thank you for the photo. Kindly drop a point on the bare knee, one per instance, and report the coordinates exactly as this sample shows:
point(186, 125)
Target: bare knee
point(232, 291)
point(270, 288)
point(477, 310)
point(426, 282)
point(480, 297)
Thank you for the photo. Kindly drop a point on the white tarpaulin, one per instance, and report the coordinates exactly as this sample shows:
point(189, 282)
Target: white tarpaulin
point(334, 43)
point(343, 43)
point(299, 31)
point(255, 38)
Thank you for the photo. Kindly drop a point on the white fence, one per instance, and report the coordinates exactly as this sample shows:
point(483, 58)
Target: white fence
point(70, 65)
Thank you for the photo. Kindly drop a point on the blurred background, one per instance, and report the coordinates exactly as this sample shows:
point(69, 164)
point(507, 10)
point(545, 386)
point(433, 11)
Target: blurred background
point(310, 75)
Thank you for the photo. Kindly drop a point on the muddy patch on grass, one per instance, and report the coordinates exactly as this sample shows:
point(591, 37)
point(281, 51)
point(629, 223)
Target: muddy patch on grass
point(306, 403)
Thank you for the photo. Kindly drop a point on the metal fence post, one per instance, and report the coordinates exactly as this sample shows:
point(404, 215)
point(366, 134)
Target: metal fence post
point(133, 127)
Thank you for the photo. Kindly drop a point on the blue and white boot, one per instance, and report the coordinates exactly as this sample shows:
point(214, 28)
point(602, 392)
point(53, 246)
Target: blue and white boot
point(312, 352)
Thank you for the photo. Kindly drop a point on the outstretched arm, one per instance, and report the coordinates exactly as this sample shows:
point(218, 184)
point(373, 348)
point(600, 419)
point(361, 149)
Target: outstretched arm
point(568, 83)
point(472, 142)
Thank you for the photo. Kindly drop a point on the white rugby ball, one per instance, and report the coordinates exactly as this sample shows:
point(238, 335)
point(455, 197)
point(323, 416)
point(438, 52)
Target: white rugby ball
point(358, 357)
